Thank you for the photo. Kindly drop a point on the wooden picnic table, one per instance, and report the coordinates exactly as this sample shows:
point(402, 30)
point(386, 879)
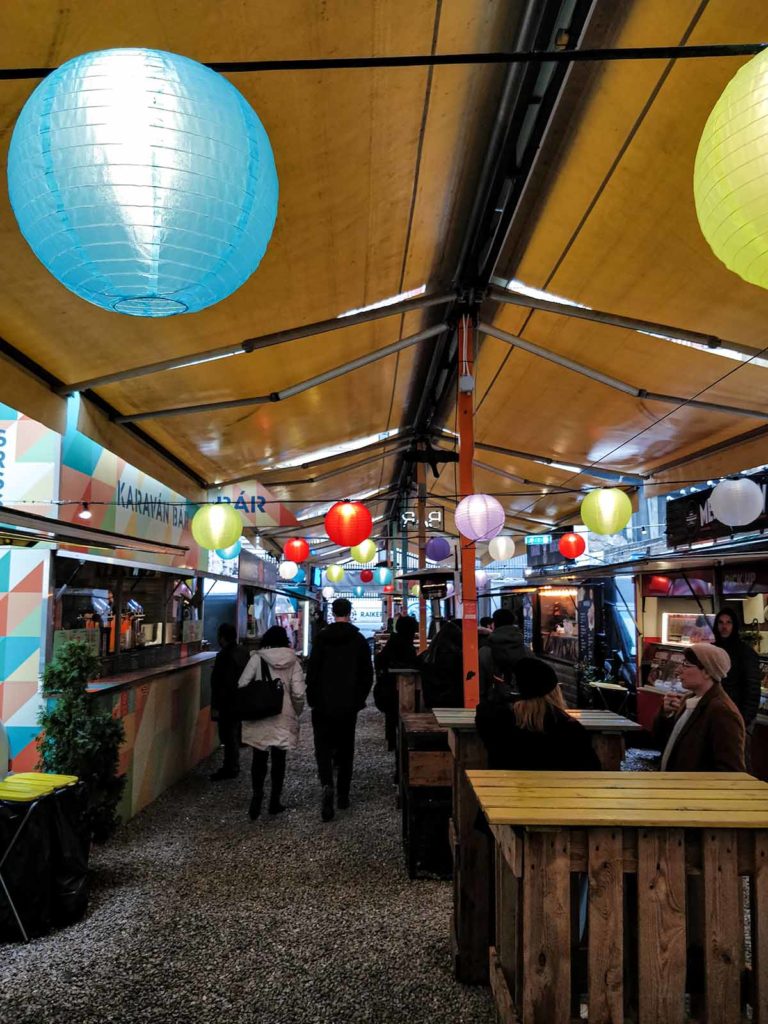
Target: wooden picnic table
point(409, 695)
point(472, 871)
point(664, 854)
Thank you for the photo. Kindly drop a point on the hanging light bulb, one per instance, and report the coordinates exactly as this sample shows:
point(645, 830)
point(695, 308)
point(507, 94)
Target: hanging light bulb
point(85, 512)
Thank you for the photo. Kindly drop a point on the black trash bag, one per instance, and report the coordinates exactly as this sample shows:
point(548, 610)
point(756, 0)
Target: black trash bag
point(70, 846)
point(26, 871)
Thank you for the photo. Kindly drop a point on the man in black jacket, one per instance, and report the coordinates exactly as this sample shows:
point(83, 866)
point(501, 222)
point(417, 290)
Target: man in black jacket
point(339, 679)
point(227, 669)
point(504, 649)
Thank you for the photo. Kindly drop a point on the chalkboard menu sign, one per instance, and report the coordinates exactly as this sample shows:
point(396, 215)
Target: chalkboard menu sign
point(585, 602)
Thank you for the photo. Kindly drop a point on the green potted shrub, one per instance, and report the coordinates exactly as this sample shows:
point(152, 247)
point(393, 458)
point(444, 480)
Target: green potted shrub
point(78, 738)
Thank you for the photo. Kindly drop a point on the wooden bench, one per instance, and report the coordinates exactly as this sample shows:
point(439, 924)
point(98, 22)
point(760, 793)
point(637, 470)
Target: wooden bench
point(409, 696)
point(472, 865)
point(425, 793)
point(661, 857)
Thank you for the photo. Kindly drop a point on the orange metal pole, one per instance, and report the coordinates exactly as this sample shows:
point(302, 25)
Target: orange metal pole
point(466, 427)
point(421, 479)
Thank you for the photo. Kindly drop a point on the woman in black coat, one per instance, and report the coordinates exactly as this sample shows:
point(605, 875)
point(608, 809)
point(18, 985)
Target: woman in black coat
point(532, 731)
point(742, 684)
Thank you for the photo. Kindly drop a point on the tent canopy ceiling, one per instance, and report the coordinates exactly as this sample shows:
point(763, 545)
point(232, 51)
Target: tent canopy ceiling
point(378, 173)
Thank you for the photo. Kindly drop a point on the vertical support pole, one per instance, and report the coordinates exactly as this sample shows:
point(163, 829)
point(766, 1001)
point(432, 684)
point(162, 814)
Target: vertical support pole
point(404, 555)
point(421, 480)
point(466, 425)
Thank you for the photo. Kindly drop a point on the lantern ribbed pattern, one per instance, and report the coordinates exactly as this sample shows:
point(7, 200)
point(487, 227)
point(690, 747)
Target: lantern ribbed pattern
point(328, 593)
point(571, 545)
point(217, 526)
point(143, 181)
point(501, 548)
point(730, 177)
point(296, 549)
point(231, 552)
point(437, 549)
point(348, 523)
point(364, 552)
point(287, 570)
point(737, 502)
point(366, 576)
point(479, 517)
point(334, 574)
point(382, 576)
point(606, 510)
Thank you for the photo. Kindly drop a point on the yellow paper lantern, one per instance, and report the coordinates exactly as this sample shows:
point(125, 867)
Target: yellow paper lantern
point(364, 552)
point(217, 526)
point(334, 573)
point(606, 510)
point(730, 176)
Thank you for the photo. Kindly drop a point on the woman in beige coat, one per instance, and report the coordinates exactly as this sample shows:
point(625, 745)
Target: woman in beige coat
point(281, 732)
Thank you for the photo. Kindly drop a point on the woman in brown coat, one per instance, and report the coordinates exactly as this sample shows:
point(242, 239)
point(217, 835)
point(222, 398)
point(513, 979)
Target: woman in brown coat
point(701, 730)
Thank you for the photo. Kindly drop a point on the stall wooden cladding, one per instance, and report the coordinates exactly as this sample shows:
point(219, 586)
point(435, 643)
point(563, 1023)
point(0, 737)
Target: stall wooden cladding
point(664, 857)
point(409, 696)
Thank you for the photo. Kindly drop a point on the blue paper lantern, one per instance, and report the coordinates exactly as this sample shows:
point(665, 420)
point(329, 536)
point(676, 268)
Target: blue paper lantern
point(358, 591)
point(231, 552)
point(143, 181)
point(300, 576)
point(382, 576)
point(437, 549)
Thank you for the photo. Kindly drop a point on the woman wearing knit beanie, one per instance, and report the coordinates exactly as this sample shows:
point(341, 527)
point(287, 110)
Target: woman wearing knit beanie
point(532, 731)
point(701, 730)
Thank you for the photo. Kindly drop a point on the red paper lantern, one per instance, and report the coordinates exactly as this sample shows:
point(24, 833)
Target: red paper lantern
point(296, 549)
point(389, 588)
point(571, 545)
point(348, 523)
point(366, 576)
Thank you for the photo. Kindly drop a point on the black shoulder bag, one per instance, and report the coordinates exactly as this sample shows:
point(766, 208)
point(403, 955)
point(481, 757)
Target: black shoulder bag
point(261, 698)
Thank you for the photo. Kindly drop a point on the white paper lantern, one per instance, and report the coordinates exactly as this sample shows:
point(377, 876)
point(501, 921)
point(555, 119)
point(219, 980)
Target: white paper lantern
point(481, 578)
point(501, 548)
point(328, 593)
point(479, 517)
point(450, 590)
point(737, 502)
point(287, 570)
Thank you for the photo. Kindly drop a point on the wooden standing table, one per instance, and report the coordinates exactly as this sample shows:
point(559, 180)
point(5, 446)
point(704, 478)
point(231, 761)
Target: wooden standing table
point(645, 841)
point(472, 868)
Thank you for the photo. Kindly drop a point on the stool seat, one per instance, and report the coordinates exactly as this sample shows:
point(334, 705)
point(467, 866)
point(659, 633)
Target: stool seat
point(57, 780)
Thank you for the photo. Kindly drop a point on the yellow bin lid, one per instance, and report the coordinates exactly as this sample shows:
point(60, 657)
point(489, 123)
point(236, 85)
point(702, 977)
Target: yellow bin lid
point(47, 777)
point(23, 792)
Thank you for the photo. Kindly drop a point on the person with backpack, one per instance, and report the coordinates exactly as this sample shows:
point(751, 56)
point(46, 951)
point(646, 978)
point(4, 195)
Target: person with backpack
point(227, 669)
point(505, 648)
point(339, 679)
point(272, 737)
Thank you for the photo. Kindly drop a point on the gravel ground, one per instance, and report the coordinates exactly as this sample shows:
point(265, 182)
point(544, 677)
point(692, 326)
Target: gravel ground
point(198, 914)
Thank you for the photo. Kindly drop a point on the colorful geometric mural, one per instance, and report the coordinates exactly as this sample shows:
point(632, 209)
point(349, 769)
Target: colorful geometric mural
point(168, 730)
point(124, 500)
point(24, 575)
point(29, 463)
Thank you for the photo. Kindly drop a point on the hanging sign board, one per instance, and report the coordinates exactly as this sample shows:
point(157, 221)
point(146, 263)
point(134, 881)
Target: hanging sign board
point(434, 519)
point(690, 518)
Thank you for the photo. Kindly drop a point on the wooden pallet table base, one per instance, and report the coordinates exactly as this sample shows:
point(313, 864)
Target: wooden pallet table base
point(425, 780)
point(655, 854)
point(473, 863)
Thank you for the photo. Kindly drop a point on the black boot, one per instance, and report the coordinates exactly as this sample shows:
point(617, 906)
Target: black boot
point(326, 808)
point(255, 807)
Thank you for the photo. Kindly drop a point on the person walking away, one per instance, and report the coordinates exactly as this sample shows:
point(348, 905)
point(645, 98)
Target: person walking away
point(505, 648)
point(227, 669)
point(701, 730)
point(398, 652)
point(531, 730)
point(339, 679)
point(742, 684)
point(273, 737)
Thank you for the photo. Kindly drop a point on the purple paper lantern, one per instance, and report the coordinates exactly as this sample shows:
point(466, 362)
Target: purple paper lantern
point(479, 517)
point(438, 548)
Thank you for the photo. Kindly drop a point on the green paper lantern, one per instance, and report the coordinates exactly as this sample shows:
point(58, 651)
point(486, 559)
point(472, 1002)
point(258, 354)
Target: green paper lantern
point(334, 573)
point(217, 526)
point(364, 552)
point(606, 510)
point(730, 176)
